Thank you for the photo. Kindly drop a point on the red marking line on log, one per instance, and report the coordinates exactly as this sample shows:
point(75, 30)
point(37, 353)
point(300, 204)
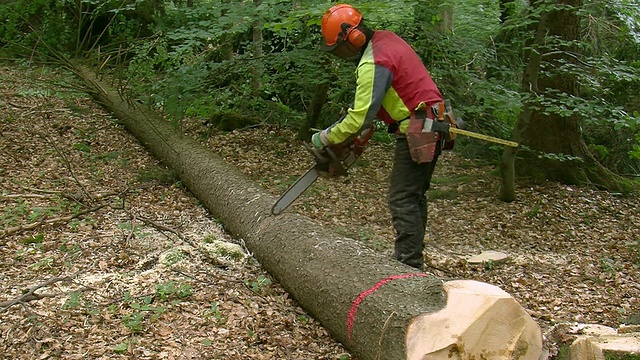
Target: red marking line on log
point(354, 307)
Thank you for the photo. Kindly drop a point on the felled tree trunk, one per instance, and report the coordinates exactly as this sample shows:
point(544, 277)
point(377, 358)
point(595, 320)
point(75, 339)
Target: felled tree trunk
point(377, 307)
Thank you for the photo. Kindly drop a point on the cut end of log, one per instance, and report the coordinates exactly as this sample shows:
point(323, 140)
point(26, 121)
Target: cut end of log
point(487, 257)
point(595, 342)
point(479, 321)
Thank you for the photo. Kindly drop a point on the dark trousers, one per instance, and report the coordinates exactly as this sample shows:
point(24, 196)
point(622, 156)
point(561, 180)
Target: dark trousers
point(408, 203)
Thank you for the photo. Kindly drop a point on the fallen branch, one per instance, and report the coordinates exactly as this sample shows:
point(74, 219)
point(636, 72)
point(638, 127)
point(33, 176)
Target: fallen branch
point(68, 166)
point(31, 295)
point(75, 196)
point(16, 229)
point(26, 196)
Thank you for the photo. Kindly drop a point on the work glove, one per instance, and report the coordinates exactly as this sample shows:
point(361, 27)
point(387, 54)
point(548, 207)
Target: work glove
point(316, 141)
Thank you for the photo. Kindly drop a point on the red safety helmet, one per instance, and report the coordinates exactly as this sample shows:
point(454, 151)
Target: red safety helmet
point(340, 23)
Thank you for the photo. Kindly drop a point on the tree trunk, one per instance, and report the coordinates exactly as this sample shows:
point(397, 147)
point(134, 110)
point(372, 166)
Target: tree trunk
point(377, 307)
point(256, 81)
point(554, 147)
point(555, 133)
point(226, 40)
point(314, 111)
point(530, 87)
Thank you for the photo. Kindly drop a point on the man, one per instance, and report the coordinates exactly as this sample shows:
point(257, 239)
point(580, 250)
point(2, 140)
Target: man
point(392, 85)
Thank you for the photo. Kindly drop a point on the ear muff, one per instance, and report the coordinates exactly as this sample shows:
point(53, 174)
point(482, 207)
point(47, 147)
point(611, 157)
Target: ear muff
point(354, 35)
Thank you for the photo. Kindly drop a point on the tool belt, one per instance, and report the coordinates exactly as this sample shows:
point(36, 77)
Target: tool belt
point(423, 145)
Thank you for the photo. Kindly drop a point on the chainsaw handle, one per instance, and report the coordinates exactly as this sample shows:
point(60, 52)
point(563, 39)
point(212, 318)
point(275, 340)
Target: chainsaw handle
point(363, 139)
point(337, 158)
point(321, 156)
point(329, 159)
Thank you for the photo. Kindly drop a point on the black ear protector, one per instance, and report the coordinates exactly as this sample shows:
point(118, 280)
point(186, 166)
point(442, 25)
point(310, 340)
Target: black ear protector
point(353, 35)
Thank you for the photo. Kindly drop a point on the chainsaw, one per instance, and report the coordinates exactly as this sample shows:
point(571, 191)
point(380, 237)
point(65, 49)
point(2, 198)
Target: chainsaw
point(332, 161)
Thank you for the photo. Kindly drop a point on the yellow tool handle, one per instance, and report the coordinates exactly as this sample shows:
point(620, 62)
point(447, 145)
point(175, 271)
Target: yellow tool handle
point(483, 137)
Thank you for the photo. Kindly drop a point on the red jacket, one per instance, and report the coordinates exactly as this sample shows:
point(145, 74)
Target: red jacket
point(391, 82)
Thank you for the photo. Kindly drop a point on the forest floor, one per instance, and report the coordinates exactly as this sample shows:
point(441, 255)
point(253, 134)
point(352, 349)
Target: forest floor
point(105, 255)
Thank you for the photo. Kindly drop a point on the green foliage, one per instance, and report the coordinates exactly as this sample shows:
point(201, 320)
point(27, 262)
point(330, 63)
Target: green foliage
point(199, 64)
point(11, 215)
point(73, 301)
point(121, 348)
point(45, 263)
point(614, 356)
point(133, 321)
point(609, 109)
point(533, 212)
point(151, 307)
point(68, 26)
point(21, 211)
point(443, 194)
point(168, 290)
point(609, 265)
point(37, 239)
point(489, 265)
point(259, 285)
point(214, 311)
point(30, 22)
point(201, 77)
point(563, 352)
point(137, 231)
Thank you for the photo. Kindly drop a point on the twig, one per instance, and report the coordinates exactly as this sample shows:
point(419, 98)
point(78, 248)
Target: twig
point(133, 230)
point(68, 166)
point(53, 192)
point(207, 281)
point(46, 194)
point(57, 111)
point(446, 271)
point(21, 106)
point(222, 278)
point(16, 229)
point(570, 54)
point(26, 196)
point(30, 293)
point(384, 329)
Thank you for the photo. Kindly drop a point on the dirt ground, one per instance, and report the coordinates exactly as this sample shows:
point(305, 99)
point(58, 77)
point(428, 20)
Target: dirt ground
point(105, 255)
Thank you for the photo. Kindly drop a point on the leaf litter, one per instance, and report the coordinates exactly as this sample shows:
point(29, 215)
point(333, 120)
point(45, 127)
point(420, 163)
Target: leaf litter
point(139, 282)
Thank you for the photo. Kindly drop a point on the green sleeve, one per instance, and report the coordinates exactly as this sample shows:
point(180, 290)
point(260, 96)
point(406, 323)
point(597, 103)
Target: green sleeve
point(361, 113)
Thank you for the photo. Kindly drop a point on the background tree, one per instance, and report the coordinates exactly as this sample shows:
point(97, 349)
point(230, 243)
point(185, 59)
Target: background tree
point(549, 126)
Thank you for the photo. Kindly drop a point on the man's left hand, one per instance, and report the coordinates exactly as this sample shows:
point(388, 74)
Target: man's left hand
point(316, 141)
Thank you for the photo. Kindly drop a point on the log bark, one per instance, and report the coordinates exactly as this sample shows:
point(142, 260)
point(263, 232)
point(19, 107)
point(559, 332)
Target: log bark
point(367, 301)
